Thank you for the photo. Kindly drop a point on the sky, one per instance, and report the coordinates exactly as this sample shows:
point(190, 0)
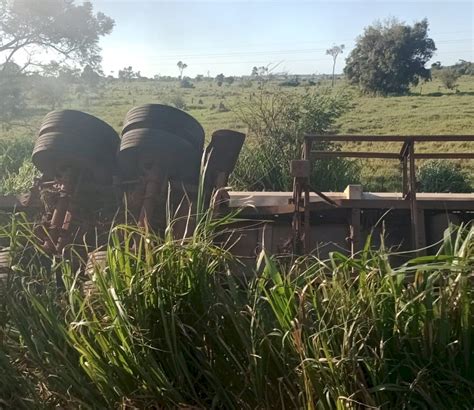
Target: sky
point(231, 37)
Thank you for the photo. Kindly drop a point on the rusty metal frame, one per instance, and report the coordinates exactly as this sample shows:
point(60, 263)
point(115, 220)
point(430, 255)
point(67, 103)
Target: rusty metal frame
point(406, 156)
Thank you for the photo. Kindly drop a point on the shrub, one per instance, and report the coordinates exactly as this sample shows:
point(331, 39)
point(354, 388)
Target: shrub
point(21, 181)
point(290, 83)
point(177, 101)
point(13, 153)
point(276, 123)
point(442, 176)
point(448, 77)
point(12, 93)
point(186, 83)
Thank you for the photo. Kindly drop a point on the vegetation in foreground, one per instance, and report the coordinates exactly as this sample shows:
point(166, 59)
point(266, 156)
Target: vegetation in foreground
point(168, 323)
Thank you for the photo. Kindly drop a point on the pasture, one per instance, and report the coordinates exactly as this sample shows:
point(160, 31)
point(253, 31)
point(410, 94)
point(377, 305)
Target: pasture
point(428, 109)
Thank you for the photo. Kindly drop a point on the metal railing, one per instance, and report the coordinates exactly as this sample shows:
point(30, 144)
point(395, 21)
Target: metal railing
point(407, 156)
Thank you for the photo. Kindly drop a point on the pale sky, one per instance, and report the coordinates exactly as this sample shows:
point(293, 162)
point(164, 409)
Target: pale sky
point(231, 37)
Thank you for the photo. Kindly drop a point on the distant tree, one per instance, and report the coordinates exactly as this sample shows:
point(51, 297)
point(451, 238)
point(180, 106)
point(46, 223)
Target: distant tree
point(449, 78)
point(464, 67)
point(128, 74)
point(334, 52)
point(58, 70)
point(181, 66)
point(220, 79)
point(436, 65)
point(199, 77)
point(49, 91)
point(186, 83)
point(69, 30)
point(254, 71)
point(12, 91)
point(389, 57)
point(229, 80)
point(90, 76)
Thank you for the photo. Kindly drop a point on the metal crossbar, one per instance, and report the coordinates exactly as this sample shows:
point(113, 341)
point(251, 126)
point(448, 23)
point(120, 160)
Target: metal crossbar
point(406, 156)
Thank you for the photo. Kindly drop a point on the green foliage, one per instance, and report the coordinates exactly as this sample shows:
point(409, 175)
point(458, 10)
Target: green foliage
point(290, 83)
point(442, 176)
point(73, 31)
point(16, 170)
point(168, 324)
point(13, 154)
point(276, 122)
point(186, 83)
point(463, 67)
point(49, 91)
point(389, 57)
point(177, 100)
point(127, 74)
point(19, 182)
point(12, 92)
point(420, 112)
point(449, 78)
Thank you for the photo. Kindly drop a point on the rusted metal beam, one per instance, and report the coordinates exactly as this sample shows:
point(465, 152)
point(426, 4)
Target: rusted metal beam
point(445, 155)
point(414, 212)
point(390, 155)
point(306, 187)
point(390, 138)
point(355, 230)
point(358, 154)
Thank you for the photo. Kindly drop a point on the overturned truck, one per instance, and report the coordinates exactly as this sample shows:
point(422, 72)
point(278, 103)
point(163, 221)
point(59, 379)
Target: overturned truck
point(92, 179)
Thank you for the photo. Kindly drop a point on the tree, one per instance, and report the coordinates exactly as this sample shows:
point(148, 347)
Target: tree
point(90, 76)
point(229, 80)
point(12, 95)
point(448, 77)
point(220, 79)
point(334, 51)
point(389, 57)
point(59, 26)
point(50, 91)
point(181, 67)
point(128, 74)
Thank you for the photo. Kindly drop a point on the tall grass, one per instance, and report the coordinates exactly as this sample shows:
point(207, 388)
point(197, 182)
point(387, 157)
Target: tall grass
point(168, 323)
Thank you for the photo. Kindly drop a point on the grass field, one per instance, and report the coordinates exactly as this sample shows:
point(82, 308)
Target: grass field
point(429, 109)
point(168, 324)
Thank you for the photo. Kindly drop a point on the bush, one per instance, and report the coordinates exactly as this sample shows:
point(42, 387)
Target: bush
point(448, 77)
point(17, 173)
point(13, 153)
point(186, 83)
point(19, 182)
point(442, 176)
point(290, 83)
point(276, 124)
point(12, 94)
point(177, 101)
